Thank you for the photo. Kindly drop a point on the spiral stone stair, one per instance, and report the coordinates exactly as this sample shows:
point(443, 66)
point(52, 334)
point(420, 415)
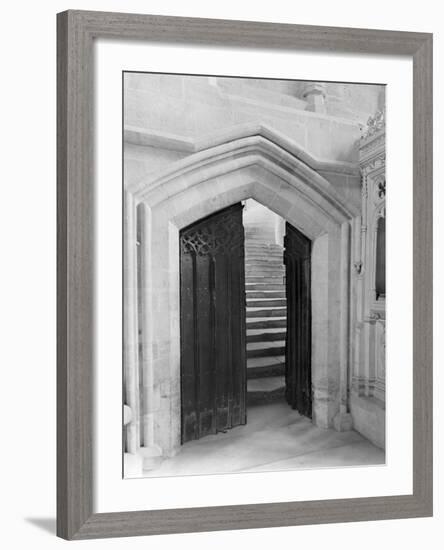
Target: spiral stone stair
point(266, 315)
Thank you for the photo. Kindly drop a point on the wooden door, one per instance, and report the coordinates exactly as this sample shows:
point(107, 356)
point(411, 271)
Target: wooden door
point(212, 323)
point(297, 259)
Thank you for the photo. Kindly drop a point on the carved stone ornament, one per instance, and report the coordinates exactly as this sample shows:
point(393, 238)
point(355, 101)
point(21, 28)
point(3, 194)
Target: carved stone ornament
point(374, 124)
point(358, 267)
point(373, 317)
point(380, 189)
point(373, 163)
point(380, 212)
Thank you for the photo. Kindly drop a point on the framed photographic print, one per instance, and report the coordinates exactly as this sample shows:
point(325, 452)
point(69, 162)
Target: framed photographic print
point(244, 306)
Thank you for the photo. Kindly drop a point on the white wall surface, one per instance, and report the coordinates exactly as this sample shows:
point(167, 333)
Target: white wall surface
point(27, 299)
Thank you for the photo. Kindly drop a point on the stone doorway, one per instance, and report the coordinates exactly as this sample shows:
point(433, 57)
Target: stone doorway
point(242, 342)
point(257, 167)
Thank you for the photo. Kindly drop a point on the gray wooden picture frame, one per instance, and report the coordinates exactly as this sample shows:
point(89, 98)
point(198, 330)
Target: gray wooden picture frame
point(76, 32)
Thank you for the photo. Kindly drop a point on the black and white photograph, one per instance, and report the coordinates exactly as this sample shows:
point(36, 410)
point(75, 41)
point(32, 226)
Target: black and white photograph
point(254, 292)
point(221, 330)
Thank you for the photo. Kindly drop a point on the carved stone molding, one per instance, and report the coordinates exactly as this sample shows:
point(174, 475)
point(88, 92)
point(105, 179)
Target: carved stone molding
point(372, 163)
point(372, 144)
point(375, 124)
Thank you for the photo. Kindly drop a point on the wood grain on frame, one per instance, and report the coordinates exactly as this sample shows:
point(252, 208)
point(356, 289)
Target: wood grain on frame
point(76, 31)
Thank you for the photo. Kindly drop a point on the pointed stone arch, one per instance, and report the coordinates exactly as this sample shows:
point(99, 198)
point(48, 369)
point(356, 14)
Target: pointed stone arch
point(274, 173)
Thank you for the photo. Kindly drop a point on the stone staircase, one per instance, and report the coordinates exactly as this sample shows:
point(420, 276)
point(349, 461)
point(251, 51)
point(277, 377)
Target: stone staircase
point(266, 316)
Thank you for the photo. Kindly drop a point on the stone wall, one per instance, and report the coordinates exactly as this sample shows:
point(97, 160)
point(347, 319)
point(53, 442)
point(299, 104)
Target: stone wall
point(169, 114)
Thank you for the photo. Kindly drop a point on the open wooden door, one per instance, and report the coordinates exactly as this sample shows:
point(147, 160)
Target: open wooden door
point(297, 259)
point(212, 323)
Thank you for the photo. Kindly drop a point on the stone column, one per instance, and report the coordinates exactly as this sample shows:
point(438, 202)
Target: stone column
point(130, 357)
point(151, 452)
point(357, 332)
point(343, 420)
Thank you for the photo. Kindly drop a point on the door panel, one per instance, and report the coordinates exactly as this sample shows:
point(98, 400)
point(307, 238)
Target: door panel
point(212, 324)
point(297, 259)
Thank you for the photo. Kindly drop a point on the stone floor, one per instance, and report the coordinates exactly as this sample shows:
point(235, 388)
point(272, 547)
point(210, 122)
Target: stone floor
point(275, 438)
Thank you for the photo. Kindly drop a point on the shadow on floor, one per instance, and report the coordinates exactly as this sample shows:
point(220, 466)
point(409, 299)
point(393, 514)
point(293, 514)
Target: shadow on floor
point(45, 524)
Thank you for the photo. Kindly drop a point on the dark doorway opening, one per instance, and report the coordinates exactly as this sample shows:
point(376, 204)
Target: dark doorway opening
point(245, 303)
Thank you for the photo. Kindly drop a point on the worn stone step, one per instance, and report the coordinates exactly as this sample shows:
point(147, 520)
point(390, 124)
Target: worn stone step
point(259, 235)
point(267, 302)
point(264, 254)
point(266, 322)
point(265, 261)
point(266, 312)
point(265, 349)
point(266, 271)
point(262, 367)
point(259, 225)
point(265, 390)
point(266, 265)
point(262, 237)
point(278, 268)
point(255, 248)
point(256, 245)
point(254, 373)
point(264, 280)
point(264, 286)
point(271, 330)
point(265, 335)
point(263, 251)
point(264, 258)
point(270, 383)
point(263, 345)
point(273, 294)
